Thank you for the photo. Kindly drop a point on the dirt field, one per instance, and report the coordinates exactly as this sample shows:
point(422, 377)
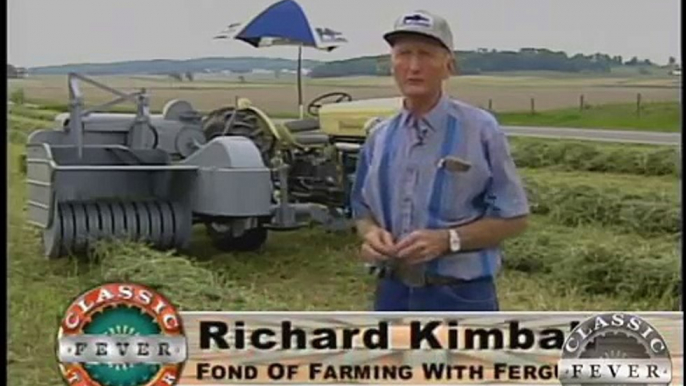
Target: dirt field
point(508, 93)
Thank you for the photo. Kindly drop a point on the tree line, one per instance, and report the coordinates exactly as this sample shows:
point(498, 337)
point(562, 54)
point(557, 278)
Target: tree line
point(483, 60)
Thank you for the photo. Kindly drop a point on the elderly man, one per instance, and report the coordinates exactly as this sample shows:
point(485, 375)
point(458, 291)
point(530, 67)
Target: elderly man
point(436, 189)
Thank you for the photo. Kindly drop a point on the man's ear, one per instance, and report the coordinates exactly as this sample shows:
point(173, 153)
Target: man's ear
point(451, 68)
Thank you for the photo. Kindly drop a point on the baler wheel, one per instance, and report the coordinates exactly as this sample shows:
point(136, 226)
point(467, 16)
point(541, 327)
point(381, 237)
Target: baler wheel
point(224, 240)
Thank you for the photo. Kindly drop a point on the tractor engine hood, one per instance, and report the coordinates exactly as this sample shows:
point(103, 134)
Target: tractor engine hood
point(348, 119)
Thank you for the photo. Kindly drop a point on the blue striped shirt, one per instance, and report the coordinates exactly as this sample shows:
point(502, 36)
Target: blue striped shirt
point(400, 184)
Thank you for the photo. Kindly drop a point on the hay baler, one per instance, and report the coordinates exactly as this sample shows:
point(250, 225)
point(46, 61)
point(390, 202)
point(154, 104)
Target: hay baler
point(151, 177)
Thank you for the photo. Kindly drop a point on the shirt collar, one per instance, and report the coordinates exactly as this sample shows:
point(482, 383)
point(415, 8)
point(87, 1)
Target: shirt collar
point(434, 119)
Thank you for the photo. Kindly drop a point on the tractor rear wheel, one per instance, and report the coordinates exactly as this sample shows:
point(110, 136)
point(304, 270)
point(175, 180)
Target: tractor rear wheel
point(245, 125)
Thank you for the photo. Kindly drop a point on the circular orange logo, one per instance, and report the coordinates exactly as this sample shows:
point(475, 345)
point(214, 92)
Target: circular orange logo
point(121, 334)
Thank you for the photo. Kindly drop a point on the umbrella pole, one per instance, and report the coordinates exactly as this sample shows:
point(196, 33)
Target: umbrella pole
point(300, 90)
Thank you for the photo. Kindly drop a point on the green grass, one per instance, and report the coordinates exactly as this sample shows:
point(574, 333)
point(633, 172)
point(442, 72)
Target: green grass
point(552, 267)
point(665, 186)
point(615, 71)
point(654, 117)
point(19, 127)
point(643, 206)
point(596, 260)
point(282, 276)
point(41, 113)
point(40, 290)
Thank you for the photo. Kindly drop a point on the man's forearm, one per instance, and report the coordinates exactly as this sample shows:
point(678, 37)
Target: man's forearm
point(489, 232)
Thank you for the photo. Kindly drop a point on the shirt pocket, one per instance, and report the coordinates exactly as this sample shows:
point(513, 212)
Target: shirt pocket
point(462, 193)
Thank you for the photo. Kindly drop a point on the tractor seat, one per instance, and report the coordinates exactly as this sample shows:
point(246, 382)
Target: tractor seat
point(302, 125)
point(311, 138)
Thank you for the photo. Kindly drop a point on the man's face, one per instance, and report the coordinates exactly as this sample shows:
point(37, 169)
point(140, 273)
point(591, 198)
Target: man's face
point(419, 66)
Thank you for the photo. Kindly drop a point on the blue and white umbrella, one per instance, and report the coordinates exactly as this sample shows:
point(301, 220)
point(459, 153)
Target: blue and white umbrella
point(285, 24)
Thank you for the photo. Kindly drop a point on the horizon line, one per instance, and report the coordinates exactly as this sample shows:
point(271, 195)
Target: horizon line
point(320, 61)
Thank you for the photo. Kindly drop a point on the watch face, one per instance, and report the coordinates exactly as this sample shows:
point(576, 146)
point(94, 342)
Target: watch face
point(454, 241)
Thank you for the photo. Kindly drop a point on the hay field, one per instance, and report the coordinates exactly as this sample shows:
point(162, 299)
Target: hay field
point(279, 96)
point(604, 235)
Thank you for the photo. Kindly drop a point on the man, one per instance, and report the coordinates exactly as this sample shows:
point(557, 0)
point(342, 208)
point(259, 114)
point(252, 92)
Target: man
point(436, 190)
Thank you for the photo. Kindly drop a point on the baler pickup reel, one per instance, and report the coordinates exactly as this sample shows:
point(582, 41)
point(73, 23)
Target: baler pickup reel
point(150, 178)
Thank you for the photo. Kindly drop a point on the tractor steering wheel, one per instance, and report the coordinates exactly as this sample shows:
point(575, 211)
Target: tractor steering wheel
point(337, 96)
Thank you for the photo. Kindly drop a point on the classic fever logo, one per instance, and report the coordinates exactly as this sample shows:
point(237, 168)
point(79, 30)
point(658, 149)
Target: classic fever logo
point(121, 334)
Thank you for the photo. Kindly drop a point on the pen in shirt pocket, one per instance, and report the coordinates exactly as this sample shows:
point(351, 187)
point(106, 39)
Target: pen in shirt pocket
point(454, 164)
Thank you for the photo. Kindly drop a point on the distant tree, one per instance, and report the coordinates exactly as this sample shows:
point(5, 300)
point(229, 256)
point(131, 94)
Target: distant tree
point(189, 76)
point(383, 66)
point(632, 62)
point(672, 61)
point(17, 96)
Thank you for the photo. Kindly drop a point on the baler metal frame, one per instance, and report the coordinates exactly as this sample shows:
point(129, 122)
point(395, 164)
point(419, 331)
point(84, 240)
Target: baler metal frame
point(88, 182)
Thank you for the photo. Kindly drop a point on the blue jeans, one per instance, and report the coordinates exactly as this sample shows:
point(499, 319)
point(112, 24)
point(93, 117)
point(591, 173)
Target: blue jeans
point(478, 295)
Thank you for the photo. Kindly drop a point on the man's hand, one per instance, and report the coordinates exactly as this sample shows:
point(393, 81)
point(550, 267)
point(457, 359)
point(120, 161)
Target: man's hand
point(423, 245)
point(377, 245)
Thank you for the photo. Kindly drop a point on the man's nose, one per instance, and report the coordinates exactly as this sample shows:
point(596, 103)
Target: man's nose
point(415, 64)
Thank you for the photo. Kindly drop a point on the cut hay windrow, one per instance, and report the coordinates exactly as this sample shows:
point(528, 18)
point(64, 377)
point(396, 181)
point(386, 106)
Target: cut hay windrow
point(594, 157)
point(647, 213)
point(191, 284)
point(597, 261)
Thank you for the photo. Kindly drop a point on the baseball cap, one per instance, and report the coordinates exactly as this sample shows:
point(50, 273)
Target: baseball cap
point(422, 23)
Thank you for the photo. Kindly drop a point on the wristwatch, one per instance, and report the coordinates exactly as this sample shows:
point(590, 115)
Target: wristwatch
point(455, 243)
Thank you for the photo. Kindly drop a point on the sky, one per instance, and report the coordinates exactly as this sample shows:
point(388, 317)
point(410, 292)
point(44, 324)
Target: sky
point(52, 32)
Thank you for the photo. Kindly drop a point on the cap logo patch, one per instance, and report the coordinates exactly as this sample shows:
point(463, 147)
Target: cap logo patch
point(417, 19)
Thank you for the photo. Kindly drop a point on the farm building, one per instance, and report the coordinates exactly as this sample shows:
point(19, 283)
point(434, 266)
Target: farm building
point(15, 72)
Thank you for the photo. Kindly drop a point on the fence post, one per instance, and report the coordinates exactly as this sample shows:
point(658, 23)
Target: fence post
point(490, 104)
point(581, 102)
point(638, 105)
point(533, 106)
